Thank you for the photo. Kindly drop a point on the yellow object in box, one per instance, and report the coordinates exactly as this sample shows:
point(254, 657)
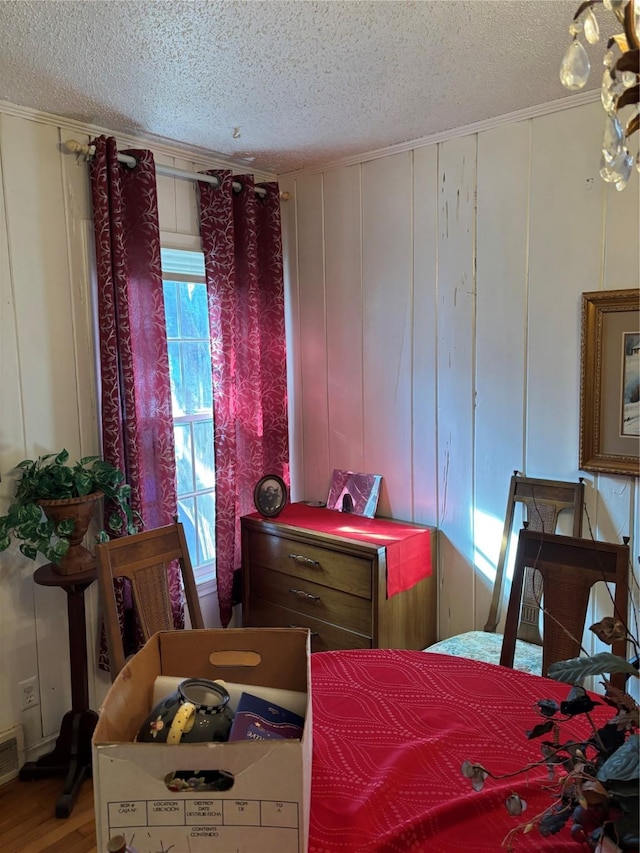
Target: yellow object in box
point(246, 796)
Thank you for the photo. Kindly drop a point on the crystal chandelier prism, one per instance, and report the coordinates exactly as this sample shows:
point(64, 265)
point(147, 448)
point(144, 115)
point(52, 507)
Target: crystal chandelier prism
point(620, 91)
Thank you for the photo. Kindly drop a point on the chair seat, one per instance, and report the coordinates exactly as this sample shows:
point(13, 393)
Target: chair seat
point(485, 646)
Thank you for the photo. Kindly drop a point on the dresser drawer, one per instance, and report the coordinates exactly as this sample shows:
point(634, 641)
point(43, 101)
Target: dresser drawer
point(315, 563)
point(324, 637)
point(320, 602)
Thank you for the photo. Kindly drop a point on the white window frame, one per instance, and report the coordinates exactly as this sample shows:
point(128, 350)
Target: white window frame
point(206, 581)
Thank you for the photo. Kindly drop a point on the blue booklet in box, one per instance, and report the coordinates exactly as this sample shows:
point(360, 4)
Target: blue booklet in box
point(257, 719)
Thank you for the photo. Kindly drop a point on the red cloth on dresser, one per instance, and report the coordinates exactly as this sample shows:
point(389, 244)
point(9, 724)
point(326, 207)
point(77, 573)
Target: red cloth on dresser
point(391, 729)
point(408, 547)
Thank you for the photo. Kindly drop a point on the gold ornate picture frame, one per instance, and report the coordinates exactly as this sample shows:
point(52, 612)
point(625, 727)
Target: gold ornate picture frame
point(610, 382)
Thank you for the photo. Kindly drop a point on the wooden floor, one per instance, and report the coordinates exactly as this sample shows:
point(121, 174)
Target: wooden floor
point(28, 823)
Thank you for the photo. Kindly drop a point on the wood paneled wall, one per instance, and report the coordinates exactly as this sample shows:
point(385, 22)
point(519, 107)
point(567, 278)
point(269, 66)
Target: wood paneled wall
point(434, 304)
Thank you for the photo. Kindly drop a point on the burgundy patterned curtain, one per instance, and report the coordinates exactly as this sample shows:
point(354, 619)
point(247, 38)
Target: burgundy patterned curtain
point(242, 246)
point(137, 426)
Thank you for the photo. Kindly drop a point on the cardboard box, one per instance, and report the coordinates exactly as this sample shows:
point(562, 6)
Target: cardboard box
point(267, 808)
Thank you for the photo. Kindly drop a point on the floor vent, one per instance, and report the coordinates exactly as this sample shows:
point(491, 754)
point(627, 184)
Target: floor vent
point(11, 753)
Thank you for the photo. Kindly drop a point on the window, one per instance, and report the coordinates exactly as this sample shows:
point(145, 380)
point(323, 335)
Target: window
point(187, 319)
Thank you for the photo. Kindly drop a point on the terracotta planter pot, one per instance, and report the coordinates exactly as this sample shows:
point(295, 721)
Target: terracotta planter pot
point(81, 510)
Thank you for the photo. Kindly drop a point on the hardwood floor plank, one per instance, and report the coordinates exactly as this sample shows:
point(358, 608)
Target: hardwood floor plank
point(28, 823)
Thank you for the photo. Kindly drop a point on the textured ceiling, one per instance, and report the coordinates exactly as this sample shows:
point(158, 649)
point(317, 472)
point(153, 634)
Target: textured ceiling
point(304, 82)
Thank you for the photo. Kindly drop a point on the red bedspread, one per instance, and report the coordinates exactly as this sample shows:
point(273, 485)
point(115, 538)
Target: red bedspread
point(391, 729)
point(408, 547)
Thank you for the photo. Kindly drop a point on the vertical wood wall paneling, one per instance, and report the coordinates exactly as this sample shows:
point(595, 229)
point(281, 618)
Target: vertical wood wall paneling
point(621, 271)
point(313, 337)
point(166, 186)
point(177, 207)
point(565, 259)
point(39, 253)
point(501, 340)
point(425, 331)
point(622, 226)
point(456, 391)
point(186, 199)
point(615, 496)
point(343, 283)
point(17, 627)
point(35, 205)
point(292, 323)
point(12, 448)
point(81, 250)
point(387, 270)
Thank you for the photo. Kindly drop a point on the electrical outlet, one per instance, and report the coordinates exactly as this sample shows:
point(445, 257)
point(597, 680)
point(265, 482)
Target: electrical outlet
point(29, 693)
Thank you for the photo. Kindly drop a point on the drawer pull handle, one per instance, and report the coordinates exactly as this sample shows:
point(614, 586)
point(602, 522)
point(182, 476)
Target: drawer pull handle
point(311, 633)
point(300, 558)
point(302, 594)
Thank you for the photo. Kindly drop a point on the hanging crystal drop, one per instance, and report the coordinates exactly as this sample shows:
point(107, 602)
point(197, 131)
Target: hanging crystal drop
point(591, 28)
point(608, 59)
point(613, 138)
point(618, 170)
point(614, 4)
point(607, 94)
point(625, 173)
point(575, 67)
point(575, 28)
point(628, 79)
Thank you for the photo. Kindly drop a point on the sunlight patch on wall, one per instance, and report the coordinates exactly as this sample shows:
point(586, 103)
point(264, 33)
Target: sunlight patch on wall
point(488, 537)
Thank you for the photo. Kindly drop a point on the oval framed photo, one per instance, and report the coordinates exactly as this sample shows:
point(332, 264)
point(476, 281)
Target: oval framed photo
point(270, 495)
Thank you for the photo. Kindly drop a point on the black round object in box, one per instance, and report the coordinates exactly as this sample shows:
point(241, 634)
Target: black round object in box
point(196, 712)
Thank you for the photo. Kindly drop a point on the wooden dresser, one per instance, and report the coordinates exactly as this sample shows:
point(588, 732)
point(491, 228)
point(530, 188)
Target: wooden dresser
point(327, 571)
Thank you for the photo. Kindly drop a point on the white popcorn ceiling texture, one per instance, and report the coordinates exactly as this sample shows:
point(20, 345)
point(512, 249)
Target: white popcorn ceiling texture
point(298, 83)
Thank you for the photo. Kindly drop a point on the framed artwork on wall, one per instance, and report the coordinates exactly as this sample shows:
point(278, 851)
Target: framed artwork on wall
point(610, 382)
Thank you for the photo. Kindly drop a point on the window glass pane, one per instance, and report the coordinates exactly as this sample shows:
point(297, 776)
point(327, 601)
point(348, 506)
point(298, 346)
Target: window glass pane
point(171, 308)
point(178, 404)
point(184, 459)
point(206, 515)
point(196, 364)
point(187, 323)
point(203, 448)
point(193, 310)
point(187, 515)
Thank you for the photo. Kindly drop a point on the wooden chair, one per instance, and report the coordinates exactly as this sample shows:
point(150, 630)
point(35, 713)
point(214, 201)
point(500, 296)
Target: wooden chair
point(144, 558)
point(569, 567)
point(542, 502)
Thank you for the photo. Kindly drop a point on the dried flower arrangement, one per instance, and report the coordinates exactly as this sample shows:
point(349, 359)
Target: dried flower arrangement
point(596, 782)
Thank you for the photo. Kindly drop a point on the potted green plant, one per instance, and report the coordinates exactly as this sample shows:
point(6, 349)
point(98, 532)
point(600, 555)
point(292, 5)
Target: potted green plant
point(67, 494)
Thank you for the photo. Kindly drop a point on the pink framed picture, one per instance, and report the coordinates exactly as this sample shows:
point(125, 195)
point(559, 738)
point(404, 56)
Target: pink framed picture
point(352, 492)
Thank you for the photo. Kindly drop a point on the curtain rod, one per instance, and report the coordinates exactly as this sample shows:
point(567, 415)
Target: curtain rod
point(88, 151)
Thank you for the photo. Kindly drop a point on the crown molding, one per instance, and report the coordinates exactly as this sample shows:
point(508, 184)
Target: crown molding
point(211, 159)
point(159, 145)
point(444, 136)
